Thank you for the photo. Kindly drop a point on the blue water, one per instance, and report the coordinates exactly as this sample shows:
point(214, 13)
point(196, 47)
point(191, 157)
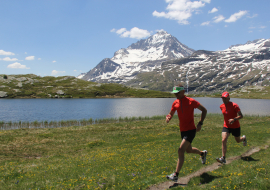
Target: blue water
point(77, 109)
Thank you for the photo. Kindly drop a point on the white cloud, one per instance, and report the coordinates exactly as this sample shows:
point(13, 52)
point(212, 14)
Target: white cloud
point(55, 72)
point(218, 18)
point(17, 65)
point(253, 16)
point(2, 52)
point(122, 30)
point(54, 61)
point(181, 10)
point(213, 10)
point(9, 59)
point(29, 58)
point(159, 30)
point(205, 23)
point(39, 58)
point(133, 33)
point(236, 16)
point(258, 27)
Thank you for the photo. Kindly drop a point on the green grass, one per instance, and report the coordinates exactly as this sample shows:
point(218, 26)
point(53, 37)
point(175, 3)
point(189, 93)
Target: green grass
point(67, 123)
point(33, 86)
point(132, 154)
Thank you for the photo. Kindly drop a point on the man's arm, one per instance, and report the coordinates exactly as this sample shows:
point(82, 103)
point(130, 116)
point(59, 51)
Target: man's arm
point(169, 116)
point(239, 116)
point(203, 115)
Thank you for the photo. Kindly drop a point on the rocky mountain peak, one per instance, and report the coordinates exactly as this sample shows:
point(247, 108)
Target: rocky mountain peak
point(143, 56)
point(160, 46)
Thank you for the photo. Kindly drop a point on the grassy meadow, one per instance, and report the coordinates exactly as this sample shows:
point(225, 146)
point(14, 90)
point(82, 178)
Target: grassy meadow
point(133, 154)
point(33, 86)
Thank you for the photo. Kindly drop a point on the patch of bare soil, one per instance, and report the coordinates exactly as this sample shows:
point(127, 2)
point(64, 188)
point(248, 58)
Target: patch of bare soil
point(183, 181)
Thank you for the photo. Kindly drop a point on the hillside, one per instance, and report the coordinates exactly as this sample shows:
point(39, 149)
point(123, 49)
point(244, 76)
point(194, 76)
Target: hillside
point(161, 61)
point(211, 72)
point(247, 92)
point(33, 86)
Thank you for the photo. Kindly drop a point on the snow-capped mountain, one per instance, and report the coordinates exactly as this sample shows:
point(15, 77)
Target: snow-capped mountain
point(209, 71)
point(143, 56)
point(161, 61)
point(251, 46)
point(160, 46)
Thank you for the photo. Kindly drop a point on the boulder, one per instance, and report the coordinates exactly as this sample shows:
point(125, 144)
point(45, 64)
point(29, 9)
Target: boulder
point(3, 94)
point(60, 92)
point(19, 84)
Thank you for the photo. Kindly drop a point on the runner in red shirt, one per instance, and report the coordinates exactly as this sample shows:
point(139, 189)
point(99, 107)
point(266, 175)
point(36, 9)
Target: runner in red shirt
point(232, 114)
point(185, 109)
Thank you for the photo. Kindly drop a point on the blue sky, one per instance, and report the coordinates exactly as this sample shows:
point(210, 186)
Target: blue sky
point(69, 37)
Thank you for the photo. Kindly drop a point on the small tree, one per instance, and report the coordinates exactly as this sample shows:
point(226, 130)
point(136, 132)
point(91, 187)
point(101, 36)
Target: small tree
point(5, 77)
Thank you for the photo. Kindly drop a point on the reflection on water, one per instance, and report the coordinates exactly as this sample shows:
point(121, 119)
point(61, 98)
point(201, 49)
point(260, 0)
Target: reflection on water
point(76, 109)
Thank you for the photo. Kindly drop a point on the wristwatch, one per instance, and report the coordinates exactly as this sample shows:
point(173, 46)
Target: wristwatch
point(201, 123)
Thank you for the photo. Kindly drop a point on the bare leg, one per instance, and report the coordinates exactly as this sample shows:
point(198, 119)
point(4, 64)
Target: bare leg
point(181, 154)
point(239, 139)
point(193, 150)
point(225, 137)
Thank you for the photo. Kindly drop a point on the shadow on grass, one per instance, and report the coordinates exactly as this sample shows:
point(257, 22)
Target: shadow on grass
point(249, 159)
point(206, 178)
point(177, 184)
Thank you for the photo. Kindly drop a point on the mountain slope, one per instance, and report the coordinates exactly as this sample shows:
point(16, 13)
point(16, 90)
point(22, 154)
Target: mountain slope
point(206, 71)
point(161, 61)
point(161, 46)
point(143, 56)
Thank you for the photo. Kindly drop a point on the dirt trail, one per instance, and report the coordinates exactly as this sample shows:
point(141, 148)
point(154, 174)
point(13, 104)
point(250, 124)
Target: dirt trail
point(183, 181)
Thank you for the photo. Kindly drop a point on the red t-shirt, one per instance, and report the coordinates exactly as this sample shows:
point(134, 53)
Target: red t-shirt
point(185, 110)
point(230, 111)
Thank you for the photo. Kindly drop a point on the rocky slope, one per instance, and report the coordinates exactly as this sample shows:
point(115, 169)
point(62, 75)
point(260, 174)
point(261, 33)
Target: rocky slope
point(143, 56)
point(161, 61)
point(206, 71)
point(33, 86)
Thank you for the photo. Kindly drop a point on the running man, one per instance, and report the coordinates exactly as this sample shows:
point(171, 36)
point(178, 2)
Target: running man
point(232, 114)
point(185, 109)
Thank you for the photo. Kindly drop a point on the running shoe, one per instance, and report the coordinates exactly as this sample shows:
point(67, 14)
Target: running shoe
point(172, 177)
point(245, 140)
point(203, 157)
point(221, 160)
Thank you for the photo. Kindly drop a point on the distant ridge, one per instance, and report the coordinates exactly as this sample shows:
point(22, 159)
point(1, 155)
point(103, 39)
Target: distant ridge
point(161, 61)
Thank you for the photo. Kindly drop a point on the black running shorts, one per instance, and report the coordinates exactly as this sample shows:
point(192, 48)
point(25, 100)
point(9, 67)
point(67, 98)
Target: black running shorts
point(234, 131)
point(188, 135)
